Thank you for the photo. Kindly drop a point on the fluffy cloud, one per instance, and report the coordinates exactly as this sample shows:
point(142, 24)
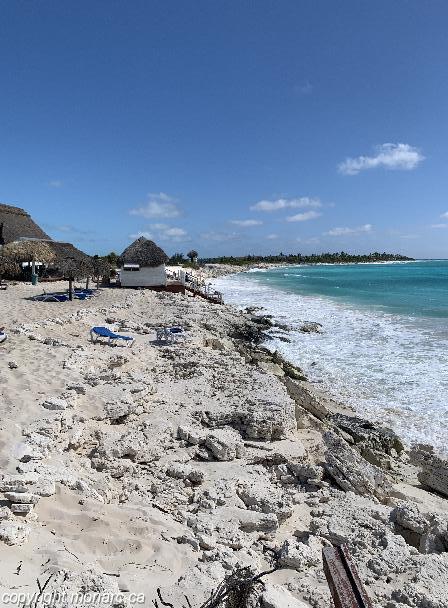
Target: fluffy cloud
point(220, 236)
point(246, 223)
point(158, 205)
point(272, 237)
point(137, 235)
point(349, 231)
point(444, 216)
point(304, 217)
point(163, 232)
point(286, 203)
point(389, 156)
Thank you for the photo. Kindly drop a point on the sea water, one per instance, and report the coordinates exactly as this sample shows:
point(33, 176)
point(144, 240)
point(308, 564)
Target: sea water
point(384, 342)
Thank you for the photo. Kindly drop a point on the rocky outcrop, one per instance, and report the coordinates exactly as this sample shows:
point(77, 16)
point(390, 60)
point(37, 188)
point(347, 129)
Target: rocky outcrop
point(433, 469)
point(352, 472)
point(377, 444)
point(428, 532)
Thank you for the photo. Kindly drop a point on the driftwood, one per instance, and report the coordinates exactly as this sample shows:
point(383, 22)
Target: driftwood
point(233, 592)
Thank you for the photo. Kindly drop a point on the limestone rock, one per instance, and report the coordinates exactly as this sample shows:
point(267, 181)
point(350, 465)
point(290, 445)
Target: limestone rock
point(252, 521)
point(14, 533)
point(218, 343)
point(276, 596)
point(22, 508)
point(225, 444)
point(22, 497)
point(5, 513)
point(271, 368)
point(351, 472)
point(53, 403)
point(301, 555)
point(191, 435)
point(311, 327)
point(434, 469)
point(266, 498)
point(372, 440)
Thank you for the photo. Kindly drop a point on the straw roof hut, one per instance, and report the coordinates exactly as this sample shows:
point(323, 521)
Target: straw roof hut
point(143, 264)
point(144, 252)
point(16, 223)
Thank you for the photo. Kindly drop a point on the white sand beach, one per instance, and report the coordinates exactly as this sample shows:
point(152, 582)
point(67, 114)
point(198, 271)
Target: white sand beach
point(170, 465)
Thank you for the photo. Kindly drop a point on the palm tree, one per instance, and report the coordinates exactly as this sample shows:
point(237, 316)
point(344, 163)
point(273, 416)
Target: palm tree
point(29, 251)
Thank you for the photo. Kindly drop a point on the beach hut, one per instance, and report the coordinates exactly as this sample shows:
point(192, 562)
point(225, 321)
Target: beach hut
point(143, 265)
point(16, 226)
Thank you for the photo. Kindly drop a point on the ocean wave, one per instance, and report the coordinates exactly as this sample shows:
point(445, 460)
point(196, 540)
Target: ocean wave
point(390, 368)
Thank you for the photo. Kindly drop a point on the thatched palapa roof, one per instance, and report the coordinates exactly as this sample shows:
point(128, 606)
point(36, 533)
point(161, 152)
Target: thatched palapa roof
point(67, 250)
point(17, 223)
point(144, 252)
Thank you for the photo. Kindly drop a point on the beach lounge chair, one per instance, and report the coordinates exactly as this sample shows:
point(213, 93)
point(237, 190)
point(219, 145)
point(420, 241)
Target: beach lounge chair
point(51, 297)
point(170, 334)
point(104, 332)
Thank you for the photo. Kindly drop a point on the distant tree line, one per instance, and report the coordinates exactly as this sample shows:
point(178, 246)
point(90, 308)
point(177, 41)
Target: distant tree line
point(340, 257)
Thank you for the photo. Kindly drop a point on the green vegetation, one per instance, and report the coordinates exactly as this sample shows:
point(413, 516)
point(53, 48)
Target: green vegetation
point(340, 257)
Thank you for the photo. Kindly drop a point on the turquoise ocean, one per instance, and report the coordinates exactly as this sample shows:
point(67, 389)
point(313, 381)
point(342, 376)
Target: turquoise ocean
point(384, 345)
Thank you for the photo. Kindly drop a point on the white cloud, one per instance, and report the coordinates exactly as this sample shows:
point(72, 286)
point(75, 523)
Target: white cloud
point(304, 217)
point(174, 233)
point(56, 183)
point(137, 235)
point(349, 231)
point(158, 205)
point(444, 216)
point(306, 88)
point(272, 237)
point(220, 236)
point(286, 203)
point(439, 226)
point(163, 232)
point(389, 156)
point(246, 223)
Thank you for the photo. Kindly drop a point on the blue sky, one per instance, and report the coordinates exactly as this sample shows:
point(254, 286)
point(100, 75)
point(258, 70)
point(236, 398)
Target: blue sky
point(231, 127)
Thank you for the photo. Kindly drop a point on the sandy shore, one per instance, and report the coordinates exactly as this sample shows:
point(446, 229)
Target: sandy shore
point(171, 465)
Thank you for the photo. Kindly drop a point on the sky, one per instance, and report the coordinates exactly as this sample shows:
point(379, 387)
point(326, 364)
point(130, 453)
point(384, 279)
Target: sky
point(229, 127)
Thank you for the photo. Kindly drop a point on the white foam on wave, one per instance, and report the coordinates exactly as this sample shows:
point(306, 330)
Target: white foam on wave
point(389, 368)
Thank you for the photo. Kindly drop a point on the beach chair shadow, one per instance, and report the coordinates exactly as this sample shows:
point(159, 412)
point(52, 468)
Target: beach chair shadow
point(112, 338)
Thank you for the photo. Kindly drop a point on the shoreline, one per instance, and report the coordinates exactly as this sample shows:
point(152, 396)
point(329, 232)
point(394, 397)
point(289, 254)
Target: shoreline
point(172, 465)
point(338, 372)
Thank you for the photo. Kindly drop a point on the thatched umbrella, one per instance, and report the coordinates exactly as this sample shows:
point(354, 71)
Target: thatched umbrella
point(193, 254)
point(73, 268)
point(29, 251)
point(100, 267)
point(144, 252)
point(7, 266)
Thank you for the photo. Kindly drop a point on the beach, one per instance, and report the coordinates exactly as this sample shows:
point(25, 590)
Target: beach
point(168, 466)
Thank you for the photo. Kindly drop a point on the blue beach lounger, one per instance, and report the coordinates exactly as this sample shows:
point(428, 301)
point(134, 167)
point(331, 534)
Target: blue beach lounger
point(51, 297)
point(103, 332)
